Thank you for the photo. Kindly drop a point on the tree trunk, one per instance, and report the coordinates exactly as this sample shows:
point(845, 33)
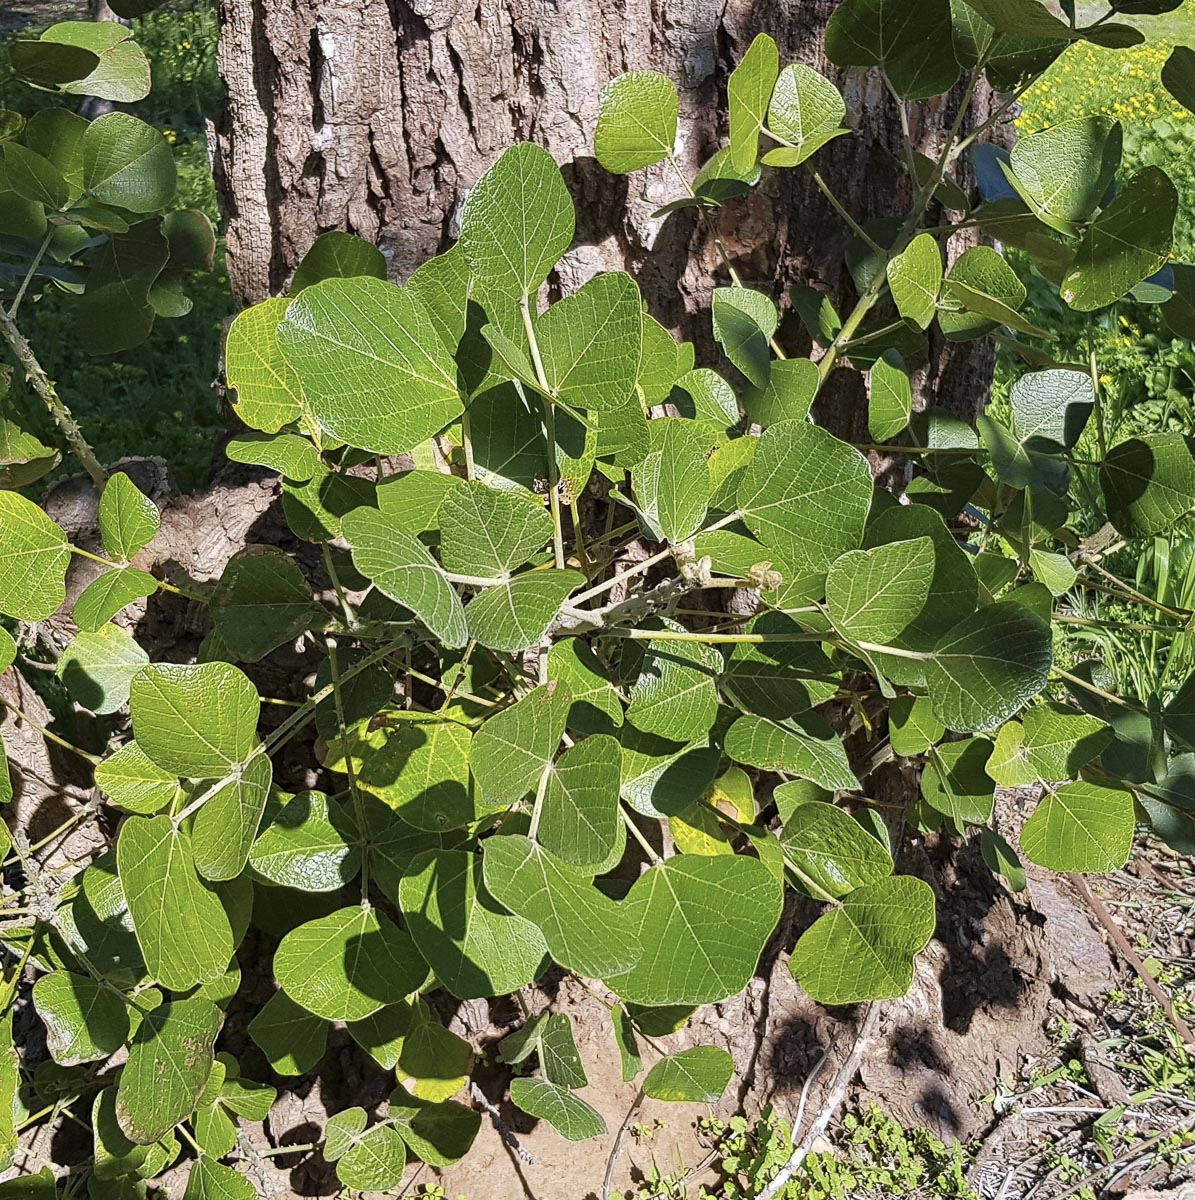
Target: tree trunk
point(377, 116)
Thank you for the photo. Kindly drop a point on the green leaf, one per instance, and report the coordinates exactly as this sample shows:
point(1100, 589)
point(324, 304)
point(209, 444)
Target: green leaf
point(909, 39)
point(804, 746)
point(912, 726)
point(181, 926)
point(99, 917)
point(864, 948)
point(169, 1060)
point(403, 569)
point(346, 965)
point(702, 922)
point(915, 279)
point(474, 948)
point(585, 931)
point(517, 614)
point(1060, 740)
point(34, 554)
point(1050, 408)
point(517, 222)
point(437, 1134)
point(128, 520)
point(890, 403)
point(34, 177)
point(23, 458)
point(212, 1180)
point(550, 1035)
point(636, 121)
point(51, 63)
point(778, 679)
point(372, 367)
point(106, 595)
point(290, 454)
point(129, 778)
point(122, 72)
point(227, 823)
point(672, 484)
point(591, 342)
point(306, 846)
point(375, 1161)
point(744, 321)
point(830, 848)
point(579, 822)
point(1022, 18)
point(989, 666)
point(675, 696)
point(412, 500)
point(987, 289)
point(1081, 827)
point(1064, 171)
point(1002, 859)
point(660, 778)
point(792, 384)
point(747, 94)
point(338, 255)
point(957, 783)
point(1127, 242)
point(487, 532)
point(269, 393)
point(1149, 483)
point(84, 1020)
point(433, 1063)
point(807, 110)
point(98, 668)
point(872, 595)
point(806, 495)
point(417, 764)
point(128, 164)
point(261, 602)
point(512, 749)
point(292, 1039)
point(595, 704)
point(1178, 76)
point(695, 1076)
point(569, 1115)
point(196, 721)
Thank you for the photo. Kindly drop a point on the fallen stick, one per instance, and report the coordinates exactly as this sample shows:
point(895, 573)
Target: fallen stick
point(838, 1089)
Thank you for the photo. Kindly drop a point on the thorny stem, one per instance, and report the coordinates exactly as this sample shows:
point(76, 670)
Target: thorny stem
point(35, 373)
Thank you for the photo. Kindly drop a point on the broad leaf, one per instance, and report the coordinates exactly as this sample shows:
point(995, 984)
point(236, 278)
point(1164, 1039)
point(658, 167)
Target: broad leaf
point(890, 399)
point(747, 95)
point(306, 845)
point(112, 591)
point(1149, 483)
point(909, 39)
point(778, 679)
point(744, 321)
point(518, 221)
point(269, 393)
point(169, 1060)
point(571, 1117)
point(1126, 243)
point(487, 532)
point(403, 569)
point(806, 110)
point(474, 948)
point(347, 965)
point(832, 850)
point(99, 667)
point(989, 666)
point(674, 695)
point(956, 781)
point(1051, 408)
point(131, 779)
point(985, 288)
point(515, 615)
point(806, 495)
point(128, 164)
point(338, 255)
point(438, 1134)
point(804, 746)
point(695, 1076)
point(226, 825)
point(703, 923)
point(197, 721)
point(372, 368)
point(872, 595)
point(34, 554)
point(1081, 827)
point(915, 279)
point(128, 519)
point(585, 931)
point(1064, 171)
point(292, 1039)
point(181, 926)
point(579, 821)
point(636, 121)
point(513, 748)
point(261, 602)
point(864, 948)
point(84, 1020)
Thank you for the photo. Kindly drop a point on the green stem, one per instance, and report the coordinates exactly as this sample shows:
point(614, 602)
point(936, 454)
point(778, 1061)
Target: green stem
point(341, 725)
point(41, 253)
point(549, 433)
point(94, 759)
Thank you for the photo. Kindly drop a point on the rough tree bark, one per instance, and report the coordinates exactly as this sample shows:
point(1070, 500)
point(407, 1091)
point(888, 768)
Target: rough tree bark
point(377, 116)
